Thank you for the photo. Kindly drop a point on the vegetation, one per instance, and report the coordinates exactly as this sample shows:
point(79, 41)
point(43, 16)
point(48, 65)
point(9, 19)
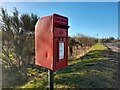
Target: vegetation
point(80, 40)
point(93, 70)
point(109, 40)
point(17, 46)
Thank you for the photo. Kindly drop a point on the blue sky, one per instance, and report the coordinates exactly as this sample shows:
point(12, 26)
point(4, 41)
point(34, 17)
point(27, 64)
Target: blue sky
point(88, 18)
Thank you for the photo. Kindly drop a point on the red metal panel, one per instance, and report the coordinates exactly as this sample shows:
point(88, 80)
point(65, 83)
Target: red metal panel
point(60, 64)
point(44, 43)
point(59, 20)
point(60, 32)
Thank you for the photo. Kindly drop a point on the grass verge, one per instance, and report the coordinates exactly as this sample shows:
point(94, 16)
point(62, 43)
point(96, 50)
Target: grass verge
point(92, 70)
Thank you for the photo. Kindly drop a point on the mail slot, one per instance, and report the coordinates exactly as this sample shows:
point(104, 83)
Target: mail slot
point(51, 42)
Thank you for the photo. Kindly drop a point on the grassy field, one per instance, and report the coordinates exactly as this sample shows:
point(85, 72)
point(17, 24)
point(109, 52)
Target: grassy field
point(93, 70)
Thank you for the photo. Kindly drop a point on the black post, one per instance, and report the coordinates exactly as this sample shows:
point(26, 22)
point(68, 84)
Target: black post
point(50, 79)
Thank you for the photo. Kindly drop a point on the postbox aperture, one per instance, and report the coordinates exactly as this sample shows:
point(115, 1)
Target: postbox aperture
point(51, 42)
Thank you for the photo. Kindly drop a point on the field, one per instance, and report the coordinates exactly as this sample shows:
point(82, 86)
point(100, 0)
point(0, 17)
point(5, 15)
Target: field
point(93, 70)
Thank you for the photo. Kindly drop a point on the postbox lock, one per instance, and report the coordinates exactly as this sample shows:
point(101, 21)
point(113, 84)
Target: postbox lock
point(61, 38)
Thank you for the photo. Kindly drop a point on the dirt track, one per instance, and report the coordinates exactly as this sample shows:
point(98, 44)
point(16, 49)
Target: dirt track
point(114, 55)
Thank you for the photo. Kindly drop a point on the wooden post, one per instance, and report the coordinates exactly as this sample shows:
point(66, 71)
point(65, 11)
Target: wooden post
point(50, 79)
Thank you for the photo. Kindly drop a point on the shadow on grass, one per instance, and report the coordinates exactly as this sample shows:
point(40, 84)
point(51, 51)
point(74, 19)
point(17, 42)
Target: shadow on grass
point(94, 70)
point(14, 78)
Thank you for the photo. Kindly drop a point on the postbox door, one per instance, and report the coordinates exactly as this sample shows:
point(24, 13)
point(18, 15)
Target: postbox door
point(60, 53)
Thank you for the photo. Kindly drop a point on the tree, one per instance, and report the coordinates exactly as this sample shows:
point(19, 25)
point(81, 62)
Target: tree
point(111, 38)
point(85, 40)
point(18, 40)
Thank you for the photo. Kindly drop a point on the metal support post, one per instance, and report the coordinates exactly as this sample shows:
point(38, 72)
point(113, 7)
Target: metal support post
point(50, 79)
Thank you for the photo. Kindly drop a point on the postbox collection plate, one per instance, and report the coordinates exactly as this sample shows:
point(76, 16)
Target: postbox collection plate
point(61, 51)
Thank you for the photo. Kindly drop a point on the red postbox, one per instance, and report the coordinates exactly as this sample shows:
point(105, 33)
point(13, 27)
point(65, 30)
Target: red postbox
point(51, 42)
